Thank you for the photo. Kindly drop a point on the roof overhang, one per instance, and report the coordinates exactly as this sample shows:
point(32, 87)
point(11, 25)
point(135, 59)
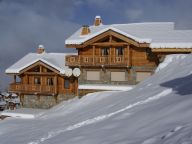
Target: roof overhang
point(83, 42)
point(28, 65)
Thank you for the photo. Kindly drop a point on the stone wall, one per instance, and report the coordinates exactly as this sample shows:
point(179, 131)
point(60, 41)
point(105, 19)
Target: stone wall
point(42, 101)
point(105, 76)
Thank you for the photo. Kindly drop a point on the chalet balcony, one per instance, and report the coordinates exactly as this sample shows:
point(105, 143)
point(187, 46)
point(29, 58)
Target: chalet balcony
point(73, 60)
point(32, 89)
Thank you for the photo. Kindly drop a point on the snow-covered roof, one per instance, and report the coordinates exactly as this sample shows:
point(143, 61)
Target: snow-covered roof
point(158, 34)
point(55, 60)
point(5, 94)
point(14, 95)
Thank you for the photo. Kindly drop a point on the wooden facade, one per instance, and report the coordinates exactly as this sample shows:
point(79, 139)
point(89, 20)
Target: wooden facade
point(40, 79)
point(110, 55)
point(111, 52)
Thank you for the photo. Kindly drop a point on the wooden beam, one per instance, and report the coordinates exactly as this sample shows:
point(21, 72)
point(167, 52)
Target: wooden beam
point(110, 38)
point(93, 54)
point(55, 83)
point(14, 78)
point(144, 45)
point(39, 73)
point(110, 44)
point(128, 54)
point(74, 46)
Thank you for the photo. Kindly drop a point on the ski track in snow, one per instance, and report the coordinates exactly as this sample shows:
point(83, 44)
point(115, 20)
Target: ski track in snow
point(52, 134)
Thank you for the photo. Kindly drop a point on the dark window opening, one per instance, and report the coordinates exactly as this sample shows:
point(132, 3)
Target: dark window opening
point(49, 81)
point(66, 84)
point(37, 80)
point(105, 51)
point(36, 69)
point(119, 51)
point(48, 70)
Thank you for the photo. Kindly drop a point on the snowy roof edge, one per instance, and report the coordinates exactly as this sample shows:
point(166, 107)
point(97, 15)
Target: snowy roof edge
point(80, 41)
point(16, 71)
point(171, 45)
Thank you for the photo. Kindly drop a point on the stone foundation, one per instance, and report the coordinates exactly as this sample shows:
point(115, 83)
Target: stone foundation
point(42, 101)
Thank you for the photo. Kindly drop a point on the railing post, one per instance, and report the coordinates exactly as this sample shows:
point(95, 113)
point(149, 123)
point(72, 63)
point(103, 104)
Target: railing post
point(79, 60)
point(93, 54)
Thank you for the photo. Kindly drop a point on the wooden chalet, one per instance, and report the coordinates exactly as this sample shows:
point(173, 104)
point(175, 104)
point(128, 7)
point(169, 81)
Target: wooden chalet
point(42, 79)
point(124, 53)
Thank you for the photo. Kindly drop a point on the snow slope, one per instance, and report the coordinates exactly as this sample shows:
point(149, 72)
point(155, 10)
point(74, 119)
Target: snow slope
point(156, 111)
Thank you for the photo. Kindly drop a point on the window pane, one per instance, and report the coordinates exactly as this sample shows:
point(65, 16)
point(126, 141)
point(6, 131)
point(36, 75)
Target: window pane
point(37, 80)
point(66, 84)
point(104, 51)
point(119, 51)
point(93, 75)
point(117, 76)
point(49, 81)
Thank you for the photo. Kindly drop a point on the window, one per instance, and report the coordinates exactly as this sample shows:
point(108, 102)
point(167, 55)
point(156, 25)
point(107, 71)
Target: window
point(119, 51)
point(49, 81)
point(140, 76)
point(66, 84)
point(117, 76)
point(93, 75)
point(48, 70)
point(35, 69)
point(37, 80)
point(105, 51)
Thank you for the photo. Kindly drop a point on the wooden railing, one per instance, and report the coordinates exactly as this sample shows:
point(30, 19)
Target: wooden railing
point(73, 60)
point(17, 87)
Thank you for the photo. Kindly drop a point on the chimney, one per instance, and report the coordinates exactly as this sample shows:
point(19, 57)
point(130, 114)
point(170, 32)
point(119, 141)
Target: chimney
point(98, 21)
point(40, 49)
point(85, 30)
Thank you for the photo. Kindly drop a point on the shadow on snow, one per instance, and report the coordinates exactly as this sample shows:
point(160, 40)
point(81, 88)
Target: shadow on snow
point(182, 86)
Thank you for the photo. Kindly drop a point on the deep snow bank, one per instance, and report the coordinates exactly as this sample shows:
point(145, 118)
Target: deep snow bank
point(156, 111)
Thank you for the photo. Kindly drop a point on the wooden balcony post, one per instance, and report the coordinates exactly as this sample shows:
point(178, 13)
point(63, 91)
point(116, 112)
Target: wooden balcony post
point(41, 69)
point(93, 54)
point(128, 56)
point(79, 59)
point(14, 78)
point(110, 38)
point(110, 53)
point(55, 83)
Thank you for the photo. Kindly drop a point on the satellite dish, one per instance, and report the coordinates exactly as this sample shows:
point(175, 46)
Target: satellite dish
point(68, 72)
point(76, 72)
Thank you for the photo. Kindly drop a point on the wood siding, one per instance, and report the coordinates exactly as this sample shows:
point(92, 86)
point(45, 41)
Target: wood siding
point(27, 83)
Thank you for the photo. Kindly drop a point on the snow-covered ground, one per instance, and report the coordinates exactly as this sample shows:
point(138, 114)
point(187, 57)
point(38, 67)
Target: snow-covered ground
point(156, 111)
point(105, 87)
point(25, 113)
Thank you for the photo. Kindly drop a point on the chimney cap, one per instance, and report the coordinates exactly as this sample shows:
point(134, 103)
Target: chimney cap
point(41, 46)
point(40, 49)
point(97, 17)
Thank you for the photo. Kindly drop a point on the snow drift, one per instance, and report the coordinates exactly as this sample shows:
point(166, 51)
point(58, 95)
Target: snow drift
point(156, 111)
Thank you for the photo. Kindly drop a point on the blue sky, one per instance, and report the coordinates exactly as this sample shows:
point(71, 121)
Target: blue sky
point(24, 24)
